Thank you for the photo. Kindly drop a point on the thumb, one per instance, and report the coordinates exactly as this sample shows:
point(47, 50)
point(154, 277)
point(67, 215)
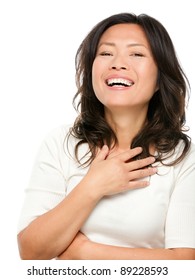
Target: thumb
point(102, 153)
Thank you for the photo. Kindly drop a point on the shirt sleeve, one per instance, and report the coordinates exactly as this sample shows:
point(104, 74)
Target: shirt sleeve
point(180, 223)
point(47, 186)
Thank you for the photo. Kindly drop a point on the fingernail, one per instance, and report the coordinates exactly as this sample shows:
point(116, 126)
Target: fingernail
point(154, 169)
point(104, 147)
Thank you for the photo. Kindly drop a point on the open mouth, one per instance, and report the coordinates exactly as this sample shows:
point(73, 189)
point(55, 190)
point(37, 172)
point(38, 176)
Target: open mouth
point(119, 82)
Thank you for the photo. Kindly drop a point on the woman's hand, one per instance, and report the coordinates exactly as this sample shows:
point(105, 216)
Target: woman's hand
point(108, 176)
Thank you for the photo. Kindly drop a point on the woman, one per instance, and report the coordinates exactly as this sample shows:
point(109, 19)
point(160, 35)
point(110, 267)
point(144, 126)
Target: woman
point(119, 183)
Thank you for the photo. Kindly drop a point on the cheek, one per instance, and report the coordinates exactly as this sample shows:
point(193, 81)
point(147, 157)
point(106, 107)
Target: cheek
point(150, 77)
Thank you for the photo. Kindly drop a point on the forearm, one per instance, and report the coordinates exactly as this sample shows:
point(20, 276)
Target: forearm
point(83, 249)
point(106, 252)
point(50, 234)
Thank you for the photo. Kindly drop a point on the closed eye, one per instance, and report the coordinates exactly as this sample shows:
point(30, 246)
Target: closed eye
point(137, 54)
point(105, 54)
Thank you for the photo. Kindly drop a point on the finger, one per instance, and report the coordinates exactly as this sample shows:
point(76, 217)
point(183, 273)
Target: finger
point(141, 163)
point(138, 184)
point(102, 153)
point(125, 156)
point(142, 173)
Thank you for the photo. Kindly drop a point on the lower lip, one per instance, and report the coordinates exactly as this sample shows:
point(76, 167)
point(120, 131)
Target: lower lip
point(119, 88)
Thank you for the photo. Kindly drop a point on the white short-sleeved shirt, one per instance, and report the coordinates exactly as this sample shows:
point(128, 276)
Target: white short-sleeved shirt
point(159, 216)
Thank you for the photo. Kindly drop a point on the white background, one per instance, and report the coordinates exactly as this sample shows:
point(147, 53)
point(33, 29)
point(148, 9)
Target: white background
point(38, 42)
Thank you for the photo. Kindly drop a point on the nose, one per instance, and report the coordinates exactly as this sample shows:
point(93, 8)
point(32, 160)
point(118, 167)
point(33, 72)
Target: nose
point(119, 67)
point(119, 63)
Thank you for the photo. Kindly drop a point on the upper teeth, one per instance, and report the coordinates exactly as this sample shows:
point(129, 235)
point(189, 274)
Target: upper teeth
point(119, 81)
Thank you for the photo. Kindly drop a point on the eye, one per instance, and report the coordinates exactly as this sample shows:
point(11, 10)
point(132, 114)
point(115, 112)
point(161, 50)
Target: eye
point(136, 54)
point(105, 54)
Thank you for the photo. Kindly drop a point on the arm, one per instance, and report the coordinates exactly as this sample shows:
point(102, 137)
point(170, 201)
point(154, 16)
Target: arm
point(51, 233)
point(83, 249)
point(179, 227)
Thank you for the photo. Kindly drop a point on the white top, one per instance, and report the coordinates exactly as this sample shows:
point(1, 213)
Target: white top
point(159, 216)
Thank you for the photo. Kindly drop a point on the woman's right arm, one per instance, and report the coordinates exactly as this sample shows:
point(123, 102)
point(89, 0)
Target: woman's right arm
point(51, 233)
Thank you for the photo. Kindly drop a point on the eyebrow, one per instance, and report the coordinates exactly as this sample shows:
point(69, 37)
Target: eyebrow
point(128, 45)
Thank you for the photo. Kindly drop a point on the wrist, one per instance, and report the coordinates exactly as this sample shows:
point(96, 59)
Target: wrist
point(90, 190)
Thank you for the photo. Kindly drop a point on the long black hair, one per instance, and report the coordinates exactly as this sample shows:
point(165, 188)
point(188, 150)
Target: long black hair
point(166, 111)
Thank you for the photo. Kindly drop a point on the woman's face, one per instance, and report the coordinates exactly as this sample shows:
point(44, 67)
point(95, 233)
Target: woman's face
point(124, 73)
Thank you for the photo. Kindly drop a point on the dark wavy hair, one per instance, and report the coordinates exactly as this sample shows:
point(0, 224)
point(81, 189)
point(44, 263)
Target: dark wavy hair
point(166, 111)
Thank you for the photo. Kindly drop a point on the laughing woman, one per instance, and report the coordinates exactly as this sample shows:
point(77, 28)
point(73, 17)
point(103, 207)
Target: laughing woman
point(119, 182)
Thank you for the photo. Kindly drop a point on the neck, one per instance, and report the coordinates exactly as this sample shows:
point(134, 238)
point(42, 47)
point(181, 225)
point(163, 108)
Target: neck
point(126, 125)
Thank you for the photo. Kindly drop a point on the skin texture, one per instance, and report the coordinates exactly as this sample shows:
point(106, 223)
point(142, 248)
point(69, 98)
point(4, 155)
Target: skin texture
point(124, 52)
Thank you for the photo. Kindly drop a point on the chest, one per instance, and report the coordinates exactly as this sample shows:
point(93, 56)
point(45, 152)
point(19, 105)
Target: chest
point(134, 218)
